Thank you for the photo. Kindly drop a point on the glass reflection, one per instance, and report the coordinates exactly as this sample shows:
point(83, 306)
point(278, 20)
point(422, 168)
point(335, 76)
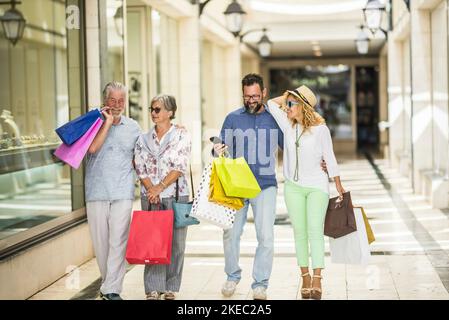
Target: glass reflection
point(34, 186)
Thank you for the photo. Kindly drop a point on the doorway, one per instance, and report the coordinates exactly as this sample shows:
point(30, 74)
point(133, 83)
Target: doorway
point(367, 102)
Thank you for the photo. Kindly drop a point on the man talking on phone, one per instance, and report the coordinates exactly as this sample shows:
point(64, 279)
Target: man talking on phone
point(109, 189)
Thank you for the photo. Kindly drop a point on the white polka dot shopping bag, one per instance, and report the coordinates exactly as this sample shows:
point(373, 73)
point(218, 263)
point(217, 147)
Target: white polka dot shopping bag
point(211, 212)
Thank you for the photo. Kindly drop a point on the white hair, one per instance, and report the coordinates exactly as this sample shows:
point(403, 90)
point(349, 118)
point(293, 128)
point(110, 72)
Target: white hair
point(168, 101)
point(113, 86)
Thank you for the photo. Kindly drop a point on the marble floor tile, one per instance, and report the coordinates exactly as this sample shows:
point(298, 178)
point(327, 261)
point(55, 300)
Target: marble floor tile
point(409, 257)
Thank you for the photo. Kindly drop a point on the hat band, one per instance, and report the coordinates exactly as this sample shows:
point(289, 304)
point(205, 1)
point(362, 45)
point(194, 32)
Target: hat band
point(302, 97)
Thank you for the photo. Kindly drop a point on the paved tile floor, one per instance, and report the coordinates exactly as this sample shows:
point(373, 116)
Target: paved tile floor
point(410, 257)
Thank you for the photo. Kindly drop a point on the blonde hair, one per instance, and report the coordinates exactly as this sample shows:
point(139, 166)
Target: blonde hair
point(310, 117)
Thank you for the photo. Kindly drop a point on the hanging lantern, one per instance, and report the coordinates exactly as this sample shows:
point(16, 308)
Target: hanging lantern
point(13, 24)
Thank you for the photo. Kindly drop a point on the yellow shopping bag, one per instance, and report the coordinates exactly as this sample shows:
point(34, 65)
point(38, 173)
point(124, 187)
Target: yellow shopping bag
point(236, 178)
point(218, 195)
point(369, 231)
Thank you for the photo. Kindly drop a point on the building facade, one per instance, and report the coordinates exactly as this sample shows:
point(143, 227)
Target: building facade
point(418, 97)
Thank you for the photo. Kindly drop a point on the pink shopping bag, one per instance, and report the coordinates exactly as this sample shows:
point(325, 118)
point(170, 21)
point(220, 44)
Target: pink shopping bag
point(74, 154)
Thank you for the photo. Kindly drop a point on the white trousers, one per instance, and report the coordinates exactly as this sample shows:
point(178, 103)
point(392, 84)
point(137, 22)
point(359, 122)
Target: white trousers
point(109, 227)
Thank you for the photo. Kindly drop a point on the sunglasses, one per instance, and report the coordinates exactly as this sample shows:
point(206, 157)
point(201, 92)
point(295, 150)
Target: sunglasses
point(157, 110)
point(291, 104)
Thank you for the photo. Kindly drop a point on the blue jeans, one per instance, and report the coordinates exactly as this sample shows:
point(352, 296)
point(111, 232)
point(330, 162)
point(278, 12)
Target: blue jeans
point(264, 210)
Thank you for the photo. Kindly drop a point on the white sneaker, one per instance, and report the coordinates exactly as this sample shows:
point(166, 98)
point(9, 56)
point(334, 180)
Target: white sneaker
point(260, 293)
point(228, 288)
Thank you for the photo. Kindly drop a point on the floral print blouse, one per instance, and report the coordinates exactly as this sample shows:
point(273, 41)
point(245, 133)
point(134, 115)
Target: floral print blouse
point(155, 159)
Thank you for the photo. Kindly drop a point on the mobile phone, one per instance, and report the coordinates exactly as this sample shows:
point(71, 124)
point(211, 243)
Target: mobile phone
point(216, 140)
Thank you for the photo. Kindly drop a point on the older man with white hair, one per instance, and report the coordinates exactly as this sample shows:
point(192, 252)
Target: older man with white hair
point(110, 189)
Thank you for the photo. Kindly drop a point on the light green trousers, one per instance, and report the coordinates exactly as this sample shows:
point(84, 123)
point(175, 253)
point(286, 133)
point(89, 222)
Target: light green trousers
point(307, 210)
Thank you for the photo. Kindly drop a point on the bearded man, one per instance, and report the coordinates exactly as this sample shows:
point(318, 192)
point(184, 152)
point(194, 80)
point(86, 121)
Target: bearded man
point(251, 132)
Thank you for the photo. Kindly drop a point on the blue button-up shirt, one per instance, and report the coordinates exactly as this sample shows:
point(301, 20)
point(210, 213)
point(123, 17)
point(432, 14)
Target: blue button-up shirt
point(109, 172)
point(255, 137)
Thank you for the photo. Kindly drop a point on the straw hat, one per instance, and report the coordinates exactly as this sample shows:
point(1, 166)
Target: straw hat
point(304, 94)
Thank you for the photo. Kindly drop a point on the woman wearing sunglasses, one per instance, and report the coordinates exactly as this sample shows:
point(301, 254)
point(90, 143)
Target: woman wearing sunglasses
point(307, 142)
point(161, 161)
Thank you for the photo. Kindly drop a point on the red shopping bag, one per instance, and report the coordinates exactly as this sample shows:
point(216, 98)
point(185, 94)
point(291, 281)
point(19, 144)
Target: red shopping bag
point(150, 237)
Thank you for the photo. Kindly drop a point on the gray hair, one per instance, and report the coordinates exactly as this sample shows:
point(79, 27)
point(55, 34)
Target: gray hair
point(113, 86)
point(169, 103)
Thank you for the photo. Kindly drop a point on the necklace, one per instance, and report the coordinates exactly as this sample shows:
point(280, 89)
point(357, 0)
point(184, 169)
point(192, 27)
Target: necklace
point(296, 177)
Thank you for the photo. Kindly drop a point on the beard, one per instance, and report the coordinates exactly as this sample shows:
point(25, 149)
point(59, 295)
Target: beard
point(252, 108)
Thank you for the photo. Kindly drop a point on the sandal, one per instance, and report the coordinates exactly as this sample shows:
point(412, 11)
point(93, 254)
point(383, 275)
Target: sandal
point(305, 292)
point(169, 295)
point(154, 295)
point(316, 292)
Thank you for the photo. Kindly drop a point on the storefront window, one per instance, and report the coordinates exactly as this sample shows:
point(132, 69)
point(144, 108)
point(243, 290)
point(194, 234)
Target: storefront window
point(34, 186)
point(112, 40)
point(332, 84)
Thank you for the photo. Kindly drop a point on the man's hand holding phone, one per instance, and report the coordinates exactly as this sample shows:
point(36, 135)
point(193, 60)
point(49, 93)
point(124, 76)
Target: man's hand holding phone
point(219, 147)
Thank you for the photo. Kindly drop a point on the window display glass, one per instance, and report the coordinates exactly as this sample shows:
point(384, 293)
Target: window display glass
point(34, 186)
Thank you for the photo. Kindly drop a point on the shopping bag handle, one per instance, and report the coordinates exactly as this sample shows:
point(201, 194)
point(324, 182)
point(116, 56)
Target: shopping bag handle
point(157, 205)
point(340, 199)
point(191, 184)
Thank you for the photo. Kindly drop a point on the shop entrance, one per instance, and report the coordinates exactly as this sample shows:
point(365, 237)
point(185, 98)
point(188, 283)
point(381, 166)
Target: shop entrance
point(367, 101)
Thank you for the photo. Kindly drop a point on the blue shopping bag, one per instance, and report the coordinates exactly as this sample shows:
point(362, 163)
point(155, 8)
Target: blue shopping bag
point(182, 214)
point(75, 129)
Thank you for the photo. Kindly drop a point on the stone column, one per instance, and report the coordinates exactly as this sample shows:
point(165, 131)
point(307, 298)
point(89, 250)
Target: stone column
point(190, 86)
point(94, 98)
point(395, 103)
point(233, 76)
point(383, 94)
point(77, 91)
point(421, 93)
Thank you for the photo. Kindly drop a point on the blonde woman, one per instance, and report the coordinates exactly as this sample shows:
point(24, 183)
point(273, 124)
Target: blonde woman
point(307, 141)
